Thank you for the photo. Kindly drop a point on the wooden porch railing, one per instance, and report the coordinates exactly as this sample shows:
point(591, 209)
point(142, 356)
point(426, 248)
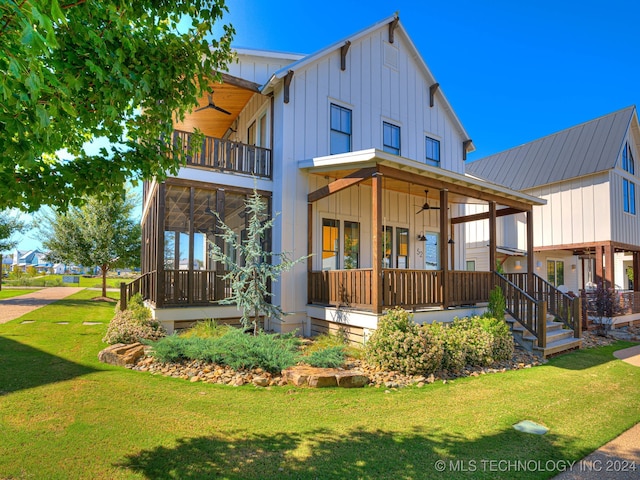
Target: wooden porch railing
point(341, 288)
point(227, 156)
point(195, 287)
point(564, 307)
point(527, 310)
point(411, 288)
point(145, 285)
point(468, 288)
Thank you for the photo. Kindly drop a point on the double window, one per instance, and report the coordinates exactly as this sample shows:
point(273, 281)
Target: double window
point(331, 244)
point(628, 187)
point(555, 272)
point(340, 141)
point(432, 149)
point(391, 138)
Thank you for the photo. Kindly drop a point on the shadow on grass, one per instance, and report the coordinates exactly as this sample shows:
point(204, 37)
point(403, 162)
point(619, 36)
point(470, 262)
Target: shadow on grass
point(22, 367)
point(356, 454)
point(588, 358)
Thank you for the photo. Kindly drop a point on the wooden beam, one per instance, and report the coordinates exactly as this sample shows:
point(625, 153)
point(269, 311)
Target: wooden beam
point(341, 183)
point(287, 85)
point(636, 271)
point(434, 183)
point(343, 55)
point(392, 26)
point(484, 215)
point(609, 266)
point(492, 236)
point(465, 147)
point(432, 93)
point(309, 237)
point(376, 223)
point(599, 266)
point(190, 282)
point(162, 194)
point(444, 246)
point(239, 82)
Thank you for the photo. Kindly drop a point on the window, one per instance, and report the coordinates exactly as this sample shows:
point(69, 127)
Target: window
point(251, 134)
point(555, 272)
point(402, 241)
point(340, 130)
point(628, 187)
point(351, 245)
point(432, 148)
point(431, 252)
point(471, 265)
point(330, 243)
point(387, 246)
point(391, 138)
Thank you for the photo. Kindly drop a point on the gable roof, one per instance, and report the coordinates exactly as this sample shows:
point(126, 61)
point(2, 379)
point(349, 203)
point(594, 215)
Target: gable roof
point(308, 59)
point(585, 149)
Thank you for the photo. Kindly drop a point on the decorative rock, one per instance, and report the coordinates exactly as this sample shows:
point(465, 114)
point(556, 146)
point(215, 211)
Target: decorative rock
point(351, 380)
point(121, 354)
point(260, 381)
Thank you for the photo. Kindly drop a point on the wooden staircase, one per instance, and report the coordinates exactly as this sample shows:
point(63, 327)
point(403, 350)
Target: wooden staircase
point(559, 338)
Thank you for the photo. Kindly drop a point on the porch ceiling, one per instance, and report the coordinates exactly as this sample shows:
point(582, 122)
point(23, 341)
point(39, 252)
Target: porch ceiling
point(409, 176)
point(232, 95)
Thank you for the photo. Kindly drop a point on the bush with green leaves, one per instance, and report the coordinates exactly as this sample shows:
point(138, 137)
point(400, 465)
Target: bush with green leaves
point(400, 344)
point(497, 303)
point(502, 345)
point(133, 324)
point(234, 348)
point(330, 357)
point(206, 329)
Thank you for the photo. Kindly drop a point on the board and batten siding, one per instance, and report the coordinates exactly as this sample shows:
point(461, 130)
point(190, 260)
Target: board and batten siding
point(381, 83)
point(625, 226)
point(258, 67)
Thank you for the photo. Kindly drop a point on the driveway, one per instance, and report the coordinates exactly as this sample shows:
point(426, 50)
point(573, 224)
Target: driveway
point(14, 307)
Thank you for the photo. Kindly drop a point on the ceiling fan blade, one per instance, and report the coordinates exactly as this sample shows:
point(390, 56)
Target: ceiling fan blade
point(220, 109)
point(419, 211)
point(202, 108)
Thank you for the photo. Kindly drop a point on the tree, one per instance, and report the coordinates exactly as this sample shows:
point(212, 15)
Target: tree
point(10, 225)
point(97, 234)
point(250, 281)
point(77, 70)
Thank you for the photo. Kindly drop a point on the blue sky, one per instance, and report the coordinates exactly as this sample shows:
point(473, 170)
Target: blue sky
point(513, 71)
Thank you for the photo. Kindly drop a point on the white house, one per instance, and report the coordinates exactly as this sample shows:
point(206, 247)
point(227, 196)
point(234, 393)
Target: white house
point(358, 150)
point(588, 230)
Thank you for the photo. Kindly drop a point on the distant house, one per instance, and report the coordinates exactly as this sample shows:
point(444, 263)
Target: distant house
point(588, 231)
point(24, 259)
point(7, 262)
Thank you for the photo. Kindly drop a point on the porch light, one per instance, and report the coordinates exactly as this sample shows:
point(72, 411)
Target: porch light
point(421, 237)
point(518, 266)
point(538, 265)
point(451, 242)
point(573, 267)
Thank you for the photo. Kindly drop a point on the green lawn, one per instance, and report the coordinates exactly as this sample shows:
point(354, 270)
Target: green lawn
point(14, 292)
point(56, 280)
point(64, 415)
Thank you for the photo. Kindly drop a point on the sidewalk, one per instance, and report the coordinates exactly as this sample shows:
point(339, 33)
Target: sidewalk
point(620, 458)
point(12, 308)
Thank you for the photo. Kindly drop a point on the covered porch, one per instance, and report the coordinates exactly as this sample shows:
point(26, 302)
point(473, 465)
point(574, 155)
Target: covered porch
point(402, 245)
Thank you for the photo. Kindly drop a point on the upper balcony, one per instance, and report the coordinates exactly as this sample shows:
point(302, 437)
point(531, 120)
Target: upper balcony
point(227, 156)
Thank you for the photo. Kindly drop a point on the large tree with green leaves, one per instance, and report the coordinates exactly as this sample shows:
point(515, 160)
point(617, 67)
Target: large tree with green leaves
point(100, 233)
point(72, 71)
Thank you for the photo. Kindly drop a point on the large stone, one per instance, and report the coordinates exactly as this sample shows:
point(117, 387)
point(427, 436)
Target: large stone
point(322, 380)
point(351, 380)
point(121, 354)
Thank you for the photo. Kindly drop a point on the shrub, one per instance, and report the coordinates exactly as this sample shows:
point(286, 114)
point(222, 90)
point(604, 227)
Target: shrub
point(234, 348)
point(206, 329)
point(330, 357)
point(501, 338)
point(133, 324)
point(327, 340)
point(497, 303)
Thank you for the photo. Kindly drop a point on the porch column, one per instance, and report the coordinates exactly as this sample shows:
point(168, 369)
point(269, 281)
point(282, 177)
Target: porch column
point(376, 224)
point(160, 248)
point(309, 248)
point(530, 259)
point(444, 246)
point(191, 274)
point(609, 266)
point(636, 271)
point(220, 207)
point(599, 266)
point(492, 236)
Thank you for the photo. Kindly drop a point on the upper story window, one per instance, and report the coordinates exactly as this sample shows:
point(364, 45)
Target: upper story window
point(391, 138)
point(432, 148)
point(627, 160)
point(340, 130)
point(628, 187)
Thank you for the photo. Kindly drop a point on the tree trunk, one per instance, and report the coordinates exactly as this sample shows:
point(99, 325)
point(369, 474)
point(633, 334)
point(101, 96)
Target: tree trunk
point(104, 269)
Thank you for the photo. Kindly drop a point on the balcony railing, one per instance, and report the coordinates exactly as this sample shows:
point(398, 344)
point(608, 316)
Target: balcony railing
point(227, 156)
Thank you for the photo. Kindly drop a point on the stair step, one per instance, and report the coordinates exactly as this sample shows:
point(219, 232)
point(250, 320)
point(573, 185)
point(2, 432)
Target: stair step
point(559, 346)
point(558, 335)
point(553, 325)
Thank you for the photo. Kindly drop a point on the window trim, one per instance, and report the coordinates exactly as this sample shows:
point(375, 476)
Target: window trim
point(349, 134)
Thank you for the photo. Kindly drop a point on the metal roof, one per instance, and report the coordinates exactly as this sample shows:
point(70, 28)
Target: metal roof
point(585, 149)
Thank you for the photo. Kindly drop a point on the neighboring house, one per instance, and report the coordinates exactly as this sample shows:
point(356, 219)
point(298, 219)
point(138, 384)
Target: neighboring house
point(588, 232)
point(343, 144)
point(7, 262)
point(24, 259)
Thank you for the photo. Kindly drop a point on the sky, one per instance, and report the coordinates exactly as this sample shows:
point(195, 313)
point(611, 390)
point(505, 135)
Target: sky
point(513, 71)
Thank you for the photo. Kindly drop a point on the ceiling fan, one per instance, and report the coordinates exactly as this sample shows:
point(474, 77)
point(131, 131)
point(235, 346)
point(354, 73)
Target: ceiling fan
point(213, 105)
point(426, 205)
point(208, 210)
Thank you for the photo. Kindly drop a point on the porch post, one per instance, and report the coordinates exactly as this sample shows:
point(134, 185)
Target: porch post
point(191, 274)
point(599, 267)
point(530, 258)
point(492, 236)
point(444, 246)
point(160, 287)
point(636, 271)
point(609, 265)
point(309, 248)
point(376, 223)
point(218, 282)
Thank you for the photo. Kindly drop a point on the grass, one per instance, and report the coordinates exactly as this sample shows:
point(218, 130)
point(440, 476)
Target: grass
point(64, 415)
point(56, 280)
point(14, 292)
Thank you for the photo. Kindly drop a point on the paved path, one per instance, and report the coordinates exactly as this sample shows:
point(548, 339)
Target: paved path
point(620, 458)
point(14, 307)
